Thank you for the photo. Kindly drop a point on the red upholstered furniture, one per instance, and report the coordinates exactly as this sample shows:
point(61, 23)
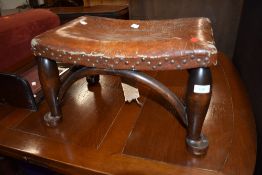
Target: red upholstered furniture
point(16, 32)
point(17, 70)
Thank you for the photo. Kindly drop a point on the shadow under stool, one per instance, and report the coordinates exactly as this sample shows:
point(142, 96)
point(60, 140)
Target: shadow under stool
point(102, 46)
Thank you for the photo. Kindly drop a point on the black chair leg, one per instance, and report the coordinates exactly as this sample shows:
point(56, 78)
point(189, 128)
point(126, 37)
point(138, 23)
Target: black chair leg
point(197, 102)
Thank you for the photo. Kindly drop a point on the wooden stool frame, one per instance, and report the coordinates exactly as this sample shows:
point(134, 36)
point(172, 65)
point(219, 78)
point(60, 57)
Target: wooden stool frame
point(192, 115)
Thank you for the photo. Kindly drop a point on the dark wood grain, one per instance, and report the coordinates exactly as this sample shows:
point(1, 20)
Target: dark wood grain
point(99, 9)
point(50, 82)
point(101, 134)
point(67, 14)
point(219, 121)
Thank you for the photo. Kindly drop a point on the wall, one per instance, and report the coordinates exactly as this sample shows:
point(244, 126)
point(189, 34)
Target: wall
point(248, 60)
point(11, 4)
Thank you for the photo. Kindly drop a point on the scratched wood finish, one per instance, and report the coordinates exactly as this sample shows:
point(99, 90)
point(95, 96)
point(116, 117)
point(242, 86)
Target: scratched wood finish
point(100, 134)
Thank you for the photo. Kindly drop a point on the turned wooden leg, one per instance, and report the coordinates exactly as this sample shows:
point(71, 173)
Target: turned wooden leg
point(197, 101)
point(92, 79)
point(50, 82)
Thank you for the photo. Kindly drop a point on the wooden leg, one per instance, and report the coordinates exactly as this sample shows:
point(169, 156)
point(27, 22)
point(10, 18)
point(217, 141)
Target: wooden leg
point(50, 82)
point(197, 101)
point(92, 79)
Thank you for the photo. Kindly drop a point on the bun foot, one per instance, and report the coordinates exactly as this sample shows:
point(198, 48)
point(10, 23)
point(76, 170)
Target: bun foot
point(197, 147)
point(51, 121)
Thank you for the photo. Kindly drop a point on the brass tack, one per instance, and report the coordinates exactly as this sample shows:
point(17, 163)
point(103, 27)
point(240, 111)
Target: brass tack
point(166, 58)
point(143, 59)
point(74, 62)
point(172, 61)
point(106, 60)
point(46, 49)
point(148, 62)
point(184, 61)
point(78, 59)
point(97, 61)
point(93, 65)
point(154, 67)
point(198, 60)
point(133, 67)
point(69, 58)
point(159, 64)
point(39, 54)
point(88, 59)
point(122, 59)
point(126, 62)
point(178, 66)
point(137, 63)
point(111, 66)
point(116, 62)
point(82, 55)
point(43, 51)
point(60, 55)
point(206, 59)
point(192, 56)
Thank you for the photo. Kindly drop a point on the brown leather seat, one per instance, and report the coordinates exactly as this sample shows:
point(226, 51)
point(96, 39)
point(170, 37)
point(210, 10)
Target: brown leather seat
point(141, 45)
point(104, 45)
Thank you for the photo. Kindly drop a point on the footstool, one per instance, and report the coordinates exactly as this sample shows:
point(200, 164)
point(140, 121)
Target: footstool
point(125, 48)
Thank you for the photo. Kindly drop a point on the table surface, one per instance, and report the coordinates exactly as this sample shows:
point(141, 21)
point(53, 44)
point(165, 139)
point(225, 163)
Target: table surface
point(92, 9)
point(101, 134)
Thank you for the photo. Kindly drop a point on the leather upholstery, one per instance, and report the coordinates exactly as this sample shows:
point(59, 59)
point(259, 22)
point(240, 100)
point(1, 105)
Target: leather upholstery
point(130, 44)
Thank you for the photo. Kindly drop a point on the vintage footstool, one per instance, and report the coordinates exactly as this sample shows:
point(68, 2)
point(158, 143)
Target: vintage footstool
point(125, 48)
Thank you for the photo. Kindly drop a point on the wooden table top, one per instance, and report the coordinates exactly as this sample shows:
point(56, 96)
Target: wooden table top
point(92, 9)
point(100, 134)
